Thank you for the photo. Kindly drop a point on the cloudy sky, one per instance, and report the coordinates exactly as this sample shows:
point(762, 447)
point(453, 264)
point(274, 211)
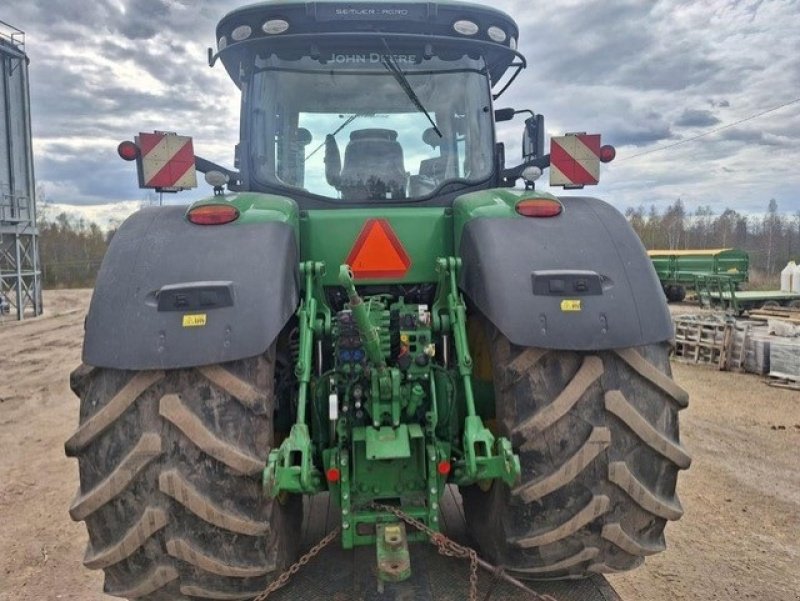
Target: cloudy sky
point(644, 74)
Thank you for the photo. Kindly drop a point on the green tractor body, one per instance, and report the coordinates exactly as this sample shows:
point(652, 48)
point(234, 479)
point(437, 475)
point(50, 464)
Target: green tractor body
point(396, 316)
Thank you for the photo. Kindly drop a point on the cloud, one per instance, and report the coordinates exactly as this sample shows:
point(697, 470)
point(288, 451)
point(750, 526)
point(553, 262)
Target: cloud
point(753, 137)
point(697, 118)
point(645, 74)
point(143, 19)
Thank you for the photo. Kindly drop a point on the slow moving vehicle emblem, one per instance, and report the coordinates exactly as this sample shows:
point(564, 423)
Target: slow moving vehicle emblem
point(378, 253)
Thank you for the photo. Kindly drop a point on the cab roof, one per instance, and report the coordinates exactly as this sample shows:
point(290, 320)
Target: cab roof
point(487, 30)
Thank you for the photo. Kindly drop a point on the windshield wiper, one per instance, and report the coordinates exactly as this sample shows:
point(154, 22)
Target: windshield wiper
point(389, 61)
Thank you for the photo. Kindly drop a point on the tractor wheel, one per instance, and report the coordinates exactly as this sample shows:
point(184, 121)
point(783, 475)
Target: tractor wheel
point(170, 481)
point(597, 436)
point(675, 294)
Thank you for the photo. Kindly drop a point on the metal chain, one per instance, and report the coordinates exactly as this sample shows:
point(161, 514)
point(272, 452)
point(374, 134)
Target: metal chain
point(281, 580)
point(444, 545)
point(450, 548)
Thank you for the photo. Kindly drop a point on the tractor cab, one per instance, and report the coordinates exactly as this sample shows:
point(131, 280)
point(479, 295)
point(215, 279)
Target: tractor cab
point(368, 103)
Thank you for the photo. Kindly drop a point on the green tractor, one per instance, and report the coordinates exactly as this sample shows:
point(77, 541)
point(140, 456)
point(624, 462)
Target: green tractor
point(368, 308)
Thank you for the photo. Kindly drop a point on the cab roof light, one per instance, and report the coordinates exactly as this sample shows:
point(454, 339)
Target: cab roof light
point(497, 34)
point(275, 26)
point(213, 214)
point(539, 207)
point(465, 27)
point(241, 33)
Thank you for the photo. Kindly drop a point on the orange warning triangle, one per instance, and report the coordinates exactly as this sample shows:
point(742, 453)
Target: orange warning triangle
point(377, 253)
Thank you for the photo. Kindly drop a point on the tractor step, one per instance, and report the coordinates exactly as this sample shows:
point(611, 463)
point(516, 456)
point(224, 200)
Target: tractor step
point(339, 575)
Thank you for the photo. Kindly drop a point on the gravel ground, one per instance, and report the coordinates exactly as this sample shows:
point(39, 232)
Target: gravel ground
point(738, 539)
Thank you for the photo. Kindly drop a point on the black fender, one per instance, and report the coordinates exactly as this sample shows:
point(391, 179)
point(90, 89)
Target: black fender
point(580, 281)
point(171, 294)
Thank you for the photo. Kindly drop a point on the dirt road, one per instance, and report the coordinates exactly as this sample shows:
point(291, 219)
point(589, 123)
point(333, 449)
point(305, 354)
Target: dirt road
point(739, 538)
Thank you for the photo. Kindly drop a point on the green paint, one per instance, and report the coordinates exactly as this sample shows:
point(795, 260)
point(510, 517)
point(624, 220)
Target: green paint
point(390, 443)
point(386, 412)
point(681, 267)
point(368, 330)
point(425, 233)
point(290, 468)
point(485, 457)
point(255, 207)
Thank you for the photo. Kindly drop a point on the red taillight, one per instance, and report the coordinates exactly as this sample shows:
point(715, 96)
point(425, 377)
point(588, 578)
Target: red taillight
point(607, 153)
point(213, 214)
point(443, 468)
point(128, 151)
point(539, 207)
point(333, 474)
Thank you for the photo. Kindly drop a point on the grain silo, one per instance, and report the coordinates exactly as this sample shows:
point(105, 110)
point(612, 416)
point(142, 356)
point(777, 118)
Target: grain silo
point(20, 277)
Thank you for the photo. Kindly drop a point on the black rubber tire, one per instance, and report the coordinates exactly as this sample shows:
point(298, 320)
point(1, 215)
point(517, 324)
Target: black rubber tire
point(770, 304)
point(675, 294)
point(170, 481)
point(597, 436)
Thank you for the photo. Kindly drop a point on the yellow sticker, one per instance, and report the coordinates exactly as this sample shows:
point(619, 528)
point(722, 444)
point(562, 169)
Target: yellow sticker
point(570, 305)
point(194, 321)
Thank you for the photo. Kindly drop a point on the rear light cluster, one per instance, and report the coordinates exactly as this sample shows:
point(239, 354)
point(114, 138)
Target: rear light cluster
point(213, 214)
point(128, 151)
point(607, 153)
point(539, 207)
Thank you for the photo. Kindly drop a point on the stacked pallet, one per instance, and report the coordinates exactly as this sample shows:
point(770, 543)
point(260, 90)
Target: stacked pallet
point(784, 362)
point(757, 348)
point(787, 314)
point(703, 339)
point(771, 349)
point(723, 342)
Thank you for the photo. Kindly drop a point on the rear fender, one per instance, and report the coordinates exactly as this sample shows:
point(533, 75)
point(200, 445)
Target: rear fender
point(580, 281)
point(171, 294)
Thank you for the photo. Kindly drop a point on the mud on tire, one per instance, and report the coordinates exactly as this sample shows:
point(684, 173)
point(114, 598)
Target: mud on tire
point(170, 468)
point(597, 435)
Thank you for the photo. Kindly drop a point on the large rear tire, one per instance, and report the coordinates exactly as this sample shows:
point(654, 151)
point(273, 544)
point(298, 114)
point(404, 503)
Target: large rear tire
point(675, 294)
point(170, 465)
point(597, 435)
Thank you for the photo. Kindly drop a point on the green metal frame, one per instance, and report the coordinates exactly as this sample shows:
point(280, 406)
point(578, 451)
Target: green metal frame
point(679, 268)
point(394, 455)
point(720, 290)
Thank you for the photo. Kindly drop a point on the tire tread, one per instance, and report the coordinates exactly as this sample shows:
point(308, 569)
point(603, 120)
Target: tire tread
point(597, 434)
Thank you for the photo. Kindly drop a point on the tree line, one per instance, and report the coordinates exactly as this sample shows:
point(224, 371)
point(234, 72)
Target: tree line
point(771, 239)
point(71, 249)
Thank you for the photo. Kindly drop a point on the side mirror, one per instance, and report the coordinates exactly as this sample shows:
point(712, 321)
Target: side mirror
point(504, 115)
point(533, 138)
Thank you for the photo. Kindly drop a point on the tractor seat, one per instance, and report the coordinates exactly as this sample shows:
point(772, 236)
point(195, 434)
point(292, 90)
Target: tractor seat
point(373, 166)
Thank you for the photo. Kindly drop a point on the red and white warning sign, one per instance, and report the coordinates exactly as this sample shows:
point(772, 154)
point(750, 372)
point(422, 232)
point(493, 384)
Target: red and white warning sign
point(575, 160)
point(166, 161)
